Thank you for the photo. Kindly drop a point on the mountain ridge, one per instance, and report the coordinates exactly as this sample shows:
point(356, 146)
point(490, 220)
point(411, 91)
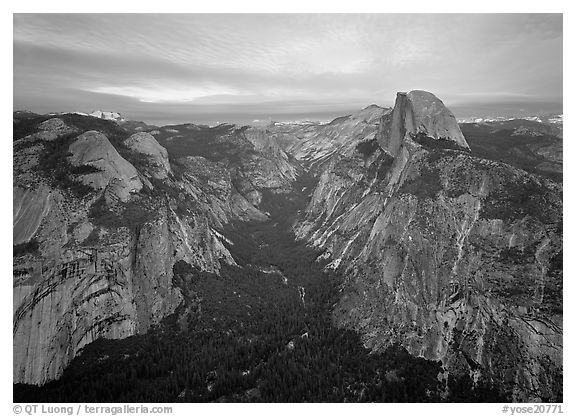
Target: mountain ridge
point(427, 232)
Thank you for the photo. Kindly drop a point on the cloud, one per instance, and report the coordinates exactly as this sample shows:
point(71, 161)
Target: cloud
point(167, 94)
point(278, 63)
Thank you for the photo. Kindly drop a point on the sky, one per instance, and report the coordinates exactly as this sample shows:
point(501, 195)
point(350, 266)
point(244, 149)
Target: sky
point(250, 68)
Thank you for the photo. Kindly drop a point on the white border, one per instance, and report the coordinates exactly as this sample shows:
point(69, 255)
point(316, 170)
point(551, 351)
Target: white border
point(259, 6)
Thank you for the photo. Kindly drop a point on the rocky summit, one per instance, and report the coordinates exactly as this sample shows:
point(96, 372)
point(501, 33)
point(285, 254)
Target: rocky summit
point(389, 250)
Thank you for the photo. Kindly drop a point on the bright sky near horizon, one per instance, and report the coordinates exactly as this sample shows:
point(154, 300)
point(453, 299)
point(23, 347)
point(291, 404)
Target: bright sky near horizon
point(237, 67)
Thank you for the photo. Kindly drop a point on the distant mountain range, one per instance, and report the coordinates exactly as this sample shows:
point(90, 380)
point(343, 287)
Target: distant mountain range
point(549, 118)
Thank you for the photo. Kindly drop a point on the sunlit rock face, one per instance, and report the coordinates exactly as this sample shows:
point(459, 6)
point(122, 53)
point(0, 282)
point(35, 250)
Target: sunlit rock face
point(117, 287)
point(107, 115)
point(433, 119)
point(113, 283)
point(419, 115)
point(457, 258)
point(30, 206)
point(318, 144)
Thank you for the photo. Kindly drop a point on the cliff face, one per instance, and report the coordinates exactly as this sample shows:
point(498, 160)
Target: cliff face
point(281, 167)
point(254, 160)
point(113, 283)
point(419, 114)
point(30, 206)
point(317, 145)
point(100, 218)
point(455, 257)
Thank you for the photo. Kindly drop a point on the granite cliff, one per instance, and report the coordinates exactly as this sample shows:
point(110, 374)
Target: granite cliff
point(457, 258)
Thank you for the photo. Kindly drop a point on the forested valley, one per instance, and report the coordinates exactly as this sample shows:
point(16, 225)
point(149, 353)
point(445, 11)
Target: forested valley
point(261, 332)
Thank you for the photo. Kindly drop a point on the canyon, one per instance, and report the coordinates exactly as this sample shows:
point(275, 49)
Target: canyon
point(449, 244)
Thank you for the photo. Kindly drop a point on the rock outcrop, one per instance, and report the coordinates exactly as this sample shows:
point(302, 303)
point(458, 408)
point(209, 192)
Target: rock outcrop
point(419, 114)
point(147, 145)
point(93, 149)
point(52, 129)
